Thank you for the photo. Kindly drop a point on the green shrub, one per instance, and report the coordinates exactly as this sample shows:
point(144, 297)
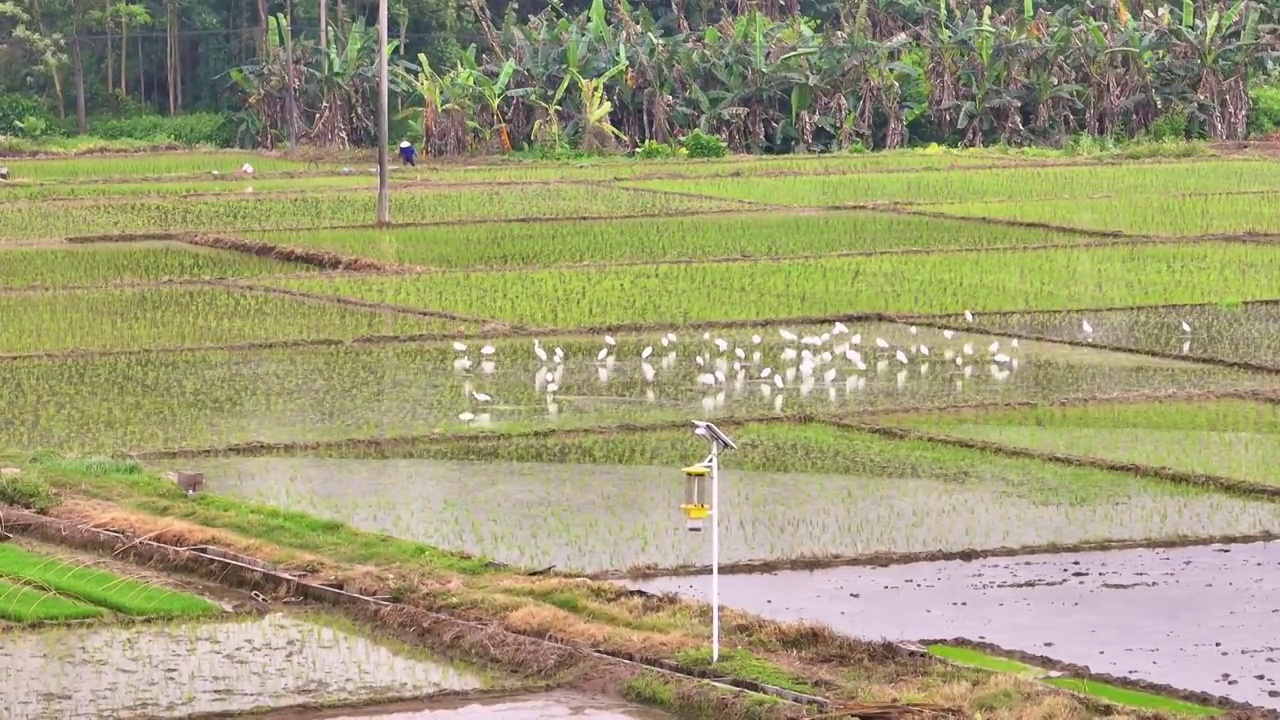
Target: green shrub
point(1172, 125)
point(25, 117)
point(702, 145)
point(27, 492)
point(191, 130)
point(654, 150)
point(1264, 116)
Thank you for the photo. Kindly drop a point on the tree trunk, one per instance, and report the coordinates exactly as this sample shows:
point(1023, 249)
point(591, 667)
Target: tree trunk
point(170, 61)
point(107, 29)
point(324, 33)
point(142, 77)
point(340, 22)
point(82, 114)
point(262, 29)
point(290, 101)
point(124, 57)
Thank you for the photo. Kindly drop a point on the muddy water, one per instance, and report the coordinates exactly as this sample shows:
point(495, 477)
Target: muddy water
point(600, 517)
point(212, 398)
point(1200, 618)
point(551, 706)
point(177, 670)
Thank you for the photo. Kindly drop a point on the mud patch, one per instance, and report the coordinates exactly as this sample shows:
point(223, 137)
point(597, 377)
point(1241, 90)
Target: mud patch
point(1199, 618)
point(180, 669)
point(546, 706)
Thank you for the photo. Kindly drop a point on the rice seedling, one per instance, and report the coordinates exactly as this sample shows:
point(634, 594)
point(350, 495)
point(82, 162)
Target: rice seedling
point(230, 667)
point(1241, 332)
point(73, 578)
point(1232, 438)
point(250, 212)
point(646, 240)
point(98, 264)
point(215, 398)
point(25, 604)
point(171, 188)
point(944, 283)
point(182, 316)
point(1079, 183)
point(790, 491)
point(1145, 215)
point(149, 165)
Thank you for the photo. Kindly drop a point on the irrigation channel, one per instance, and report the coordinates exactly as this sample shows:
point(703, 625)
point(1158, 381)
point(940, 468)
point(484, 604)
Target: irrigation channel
point(1200, 618)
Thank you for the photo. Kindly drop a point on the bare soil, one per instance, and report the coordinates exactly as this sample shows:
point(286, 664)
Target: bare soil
point(1197, 618)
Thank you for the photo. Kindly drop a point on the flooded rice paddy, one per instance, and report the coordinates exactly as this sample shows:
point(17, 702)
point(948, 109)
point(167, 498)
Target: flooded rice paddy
point(215, 398)
point(1246, 332)
point(1199, 618)
point(593, 518)
point(547, 706)
point(174, 670)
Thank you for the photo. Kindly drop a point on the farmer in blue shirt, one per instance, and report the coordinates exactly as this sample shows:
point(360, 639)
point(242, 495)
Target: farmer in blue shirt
point(407, 154)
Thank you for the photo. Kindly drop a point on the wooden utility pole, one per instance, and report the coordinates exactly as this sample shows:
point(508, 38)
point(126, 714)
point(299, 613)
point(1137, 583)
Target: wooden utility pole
point(384, 198)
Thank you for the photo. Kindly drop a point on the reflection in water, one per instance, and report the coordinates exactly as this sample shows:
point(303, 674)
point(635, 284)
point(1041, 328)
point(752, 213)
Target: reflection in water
point(173, 670)
point(552, 706)
point(1199, 618)
point(213, 399)
point(600, 517)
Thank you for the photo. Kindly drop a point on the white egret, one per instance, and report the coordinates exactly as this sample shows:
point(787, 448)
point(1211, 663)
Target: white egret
point(706, 336)
point(604, 352)
point(720, 376)
point(902, 357)
point(1186, 327)
point(788, 335)
point(924, 350)
point(461, 364)
point(466, 417)
point(856, 339)
point(1001, 358)
point(839, 328)
point(482, 397)
point(994, 347)
point(722, 345)
point(487, 350)
point(756, 339)
point(1014, 342)
point(948, 334)
point(766, 372)
point(608, 340)
point(537, 350)
point(459, 346)
point(913, 330)
point(1084, 325)
point(789, 354)
point(882, 343)
point(648, 371)
point(698, 359)
point(646, 352)
point(552, 388)
point(777, 380)
point(671, 337)
point(742, 354)
point(665, 341)
point(967, 349)
point(968, 316)
point(829, 376)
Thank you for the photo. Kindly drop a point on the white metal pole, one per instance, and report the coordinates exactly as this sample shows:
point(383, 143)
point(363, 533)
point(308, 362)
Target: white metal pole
point(715, 553)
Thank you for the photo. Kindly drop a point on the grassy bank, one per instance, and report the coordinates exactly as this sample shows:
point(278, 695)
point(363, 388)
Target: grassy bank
point(603, 616)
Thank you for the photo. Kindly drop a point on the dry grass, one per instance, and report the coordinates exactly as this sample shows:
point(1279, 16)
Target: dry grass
point(605, 617)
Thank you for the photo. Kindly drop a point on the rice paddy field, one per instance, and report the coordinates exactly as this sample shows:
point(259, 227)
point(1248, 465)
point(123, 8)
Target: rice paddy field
point(926, 359)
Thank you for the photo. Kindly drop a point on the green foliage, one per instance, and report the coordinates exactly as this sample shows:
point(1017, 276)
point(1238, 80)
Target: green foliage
point(24, 116)
point(704, 145)
point(654, 150)
point(28, 492)
point(1264, 116)
point(195, 129)
point(1172, 125)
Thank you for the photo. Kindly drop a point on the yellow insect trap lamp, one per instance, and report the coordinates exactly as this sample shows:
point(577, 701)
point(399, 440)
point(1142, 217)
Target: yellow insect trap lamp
point(697, 496)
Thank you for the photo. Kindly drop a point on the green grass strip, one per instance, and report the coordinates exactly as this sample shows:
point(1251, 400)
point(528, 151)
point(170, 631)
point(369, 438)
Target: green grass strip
point(983, 661)
point(22, 604)
point(1132, 698)
point(1102, 691)
point(99, 587)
